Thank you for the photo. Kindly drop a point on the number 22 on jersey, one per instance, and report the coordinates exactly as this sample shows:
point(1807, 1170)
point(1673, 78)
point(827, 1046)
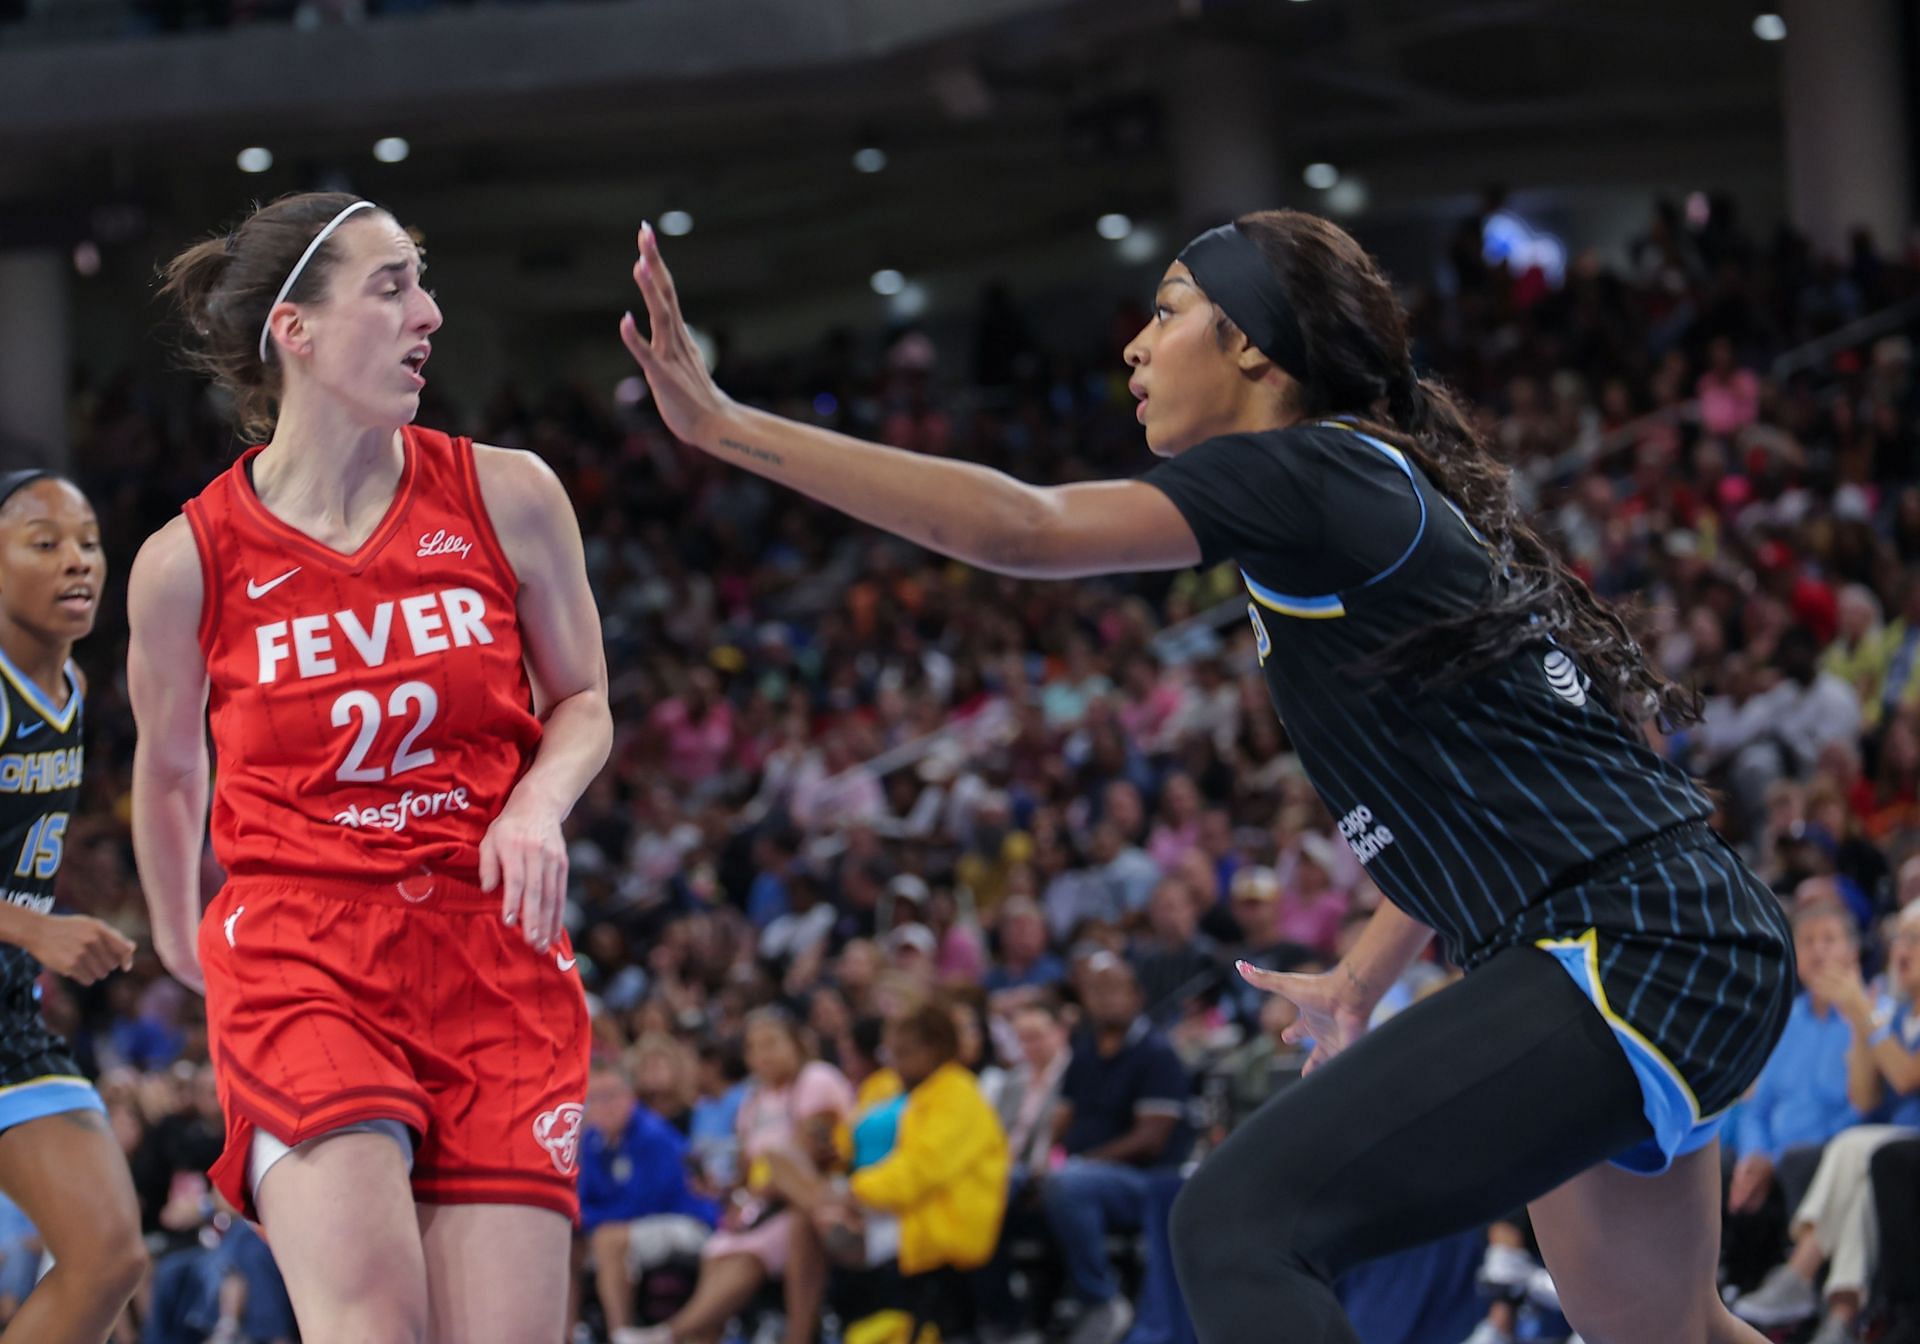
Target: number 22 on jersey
point(365, 707)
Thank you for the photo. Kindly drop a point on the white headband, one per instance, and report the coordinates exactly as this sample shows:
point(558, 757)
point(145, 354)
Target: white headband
point(266, 327)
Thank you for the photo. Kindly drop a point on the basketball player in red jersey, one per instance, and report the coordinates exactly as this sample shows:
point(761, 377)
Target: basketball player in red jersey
point(392, 635)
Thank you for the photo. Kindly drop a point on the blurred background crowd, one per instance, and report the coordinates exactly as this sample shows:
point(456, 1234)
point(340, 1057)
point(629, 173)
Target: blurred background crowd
point(908, 902)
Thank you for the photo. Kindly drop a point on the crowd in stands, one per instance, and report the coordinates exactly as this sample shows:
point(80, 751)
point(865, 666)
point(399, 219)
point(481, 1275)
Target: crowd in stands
point(907, 904)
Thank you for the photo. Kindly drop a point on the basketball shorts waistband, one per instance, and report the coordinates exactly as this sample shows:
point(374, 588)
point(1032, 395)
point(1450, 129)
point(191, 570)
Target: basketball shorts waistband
point(434, 890)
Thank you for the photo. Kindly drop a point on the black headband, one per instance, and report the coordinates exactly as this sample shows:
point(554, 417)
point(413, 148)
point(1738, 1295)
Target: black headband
point(14, 482)
point(1236, 275)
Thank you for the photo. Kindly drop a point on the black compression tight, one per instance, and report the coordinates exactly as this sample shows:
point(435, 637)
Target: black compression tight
point(1455, 1112)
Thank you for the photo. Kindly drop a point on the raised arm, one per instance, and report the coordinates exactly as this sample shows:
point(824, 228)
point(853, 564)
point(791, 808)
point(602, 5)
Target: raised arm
point(972, 513)
point(167, 683)
point(524, 851)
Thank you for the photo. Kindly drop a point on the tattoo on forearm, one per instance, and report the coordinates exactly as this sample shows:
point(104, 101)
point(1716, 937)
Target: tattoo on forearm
point(1353, 979)
point(748, 450)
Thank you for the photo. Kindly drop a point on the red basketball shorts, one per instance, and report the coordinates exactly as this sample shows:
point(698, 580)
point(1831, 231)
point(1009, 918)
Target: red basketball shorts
point(330, 1003)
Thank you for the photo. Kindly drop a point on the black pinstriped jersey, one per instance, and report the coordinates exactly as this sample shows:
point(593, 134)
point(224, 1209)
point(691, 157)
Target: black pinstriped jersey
point(40, 764)
point(1468, 804)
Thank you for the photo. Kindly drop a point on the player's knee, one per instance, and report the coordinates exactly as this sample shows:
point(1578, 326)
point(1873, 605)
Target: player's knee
point(1215, 1218)
point(1602, 1314)
point(373, 1323)
point(118, 1261)
point(109, 1253)
point(608, 1239)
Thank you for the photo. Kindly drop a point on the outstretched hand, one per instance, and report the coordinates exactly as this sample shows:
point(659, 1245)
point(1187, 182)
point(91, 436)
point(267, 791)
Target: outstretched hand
point(690, 402)
point(1332, 1016)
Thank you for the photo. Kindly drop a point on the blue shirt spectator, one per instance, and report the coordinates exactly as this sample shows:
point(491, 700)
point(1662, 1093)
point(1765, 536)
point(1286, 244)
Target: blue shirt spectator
point(1024, 962)
point(1801, 1097)
point(1113, 1084)
point(636, 1169)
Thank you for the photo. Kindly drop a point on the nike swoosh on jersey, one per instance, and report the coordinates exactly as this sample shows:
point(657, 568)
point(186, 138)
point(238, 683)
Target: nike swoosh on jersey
point(29, 729)
point(564, 963)
point(262, 589)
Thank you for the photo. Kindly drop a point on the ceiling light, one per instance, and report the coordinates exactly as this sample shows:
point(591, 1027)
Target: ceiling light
point(676, 223)
point(1321, 176)
point(888, 282)
point(391, 149)
point(870, 159)
point(1769, 27)
point(254, 159)
point(1114, 227)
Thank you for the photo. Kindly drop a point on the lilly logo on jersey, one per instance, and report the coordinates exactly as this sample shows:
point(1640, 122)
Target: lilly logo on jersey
point(394, 816)
point(444, 542)
point(558, 1131)
point(1364, 838)
point(434, 623)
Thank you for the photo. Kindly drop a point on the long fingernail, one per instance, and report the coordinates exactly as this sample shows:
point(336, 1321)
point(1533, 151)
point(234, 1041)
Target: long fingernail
point(510, 919)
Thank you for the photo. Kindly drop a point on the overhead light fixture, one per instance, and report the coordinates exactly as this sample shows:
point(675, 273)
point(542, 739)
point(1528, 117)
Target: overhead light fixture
point(1113, 227)
point(871, 159)
point(888, 282)
point(1321, 176)
point(255, 159)
point(391, 149)
point(86, 257)
point(1142, 245)
point(1769, 27)
point(910, 302)
point(1348, 196)
point(676, 223)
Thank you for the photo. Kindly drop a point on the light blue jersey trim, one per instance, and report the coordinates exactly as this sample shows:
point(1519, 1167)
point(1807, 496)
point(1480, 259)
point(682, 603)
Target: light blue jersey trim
point(61, 719)
point(1329, 606)
point(54, 1095)
point(1671, 1109)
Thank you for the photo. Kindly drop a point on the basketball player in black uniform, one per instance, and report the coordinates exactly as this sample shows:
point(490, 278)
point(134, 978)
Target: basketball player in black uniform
point(58, 1159)
point(1474, 717)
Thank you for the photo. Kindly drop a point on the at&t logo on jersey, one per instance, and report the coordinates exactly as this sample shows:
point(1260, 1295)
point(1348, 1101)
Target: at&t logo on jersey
point(394, 816)
point(444, 542)
point(434, 623)
point(1364, 838)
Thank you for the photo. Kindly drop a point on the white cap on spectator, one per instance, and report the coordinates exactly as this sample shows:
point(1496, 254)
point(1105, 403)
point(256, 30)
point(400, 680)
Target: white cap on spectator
point(1317, 847)
point(908, 887)
point(916, 936)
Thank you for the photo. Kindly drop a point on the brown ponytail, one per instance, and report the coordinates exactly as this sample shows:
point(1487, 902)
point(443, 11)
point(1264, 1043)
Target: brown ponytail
point(224, 287)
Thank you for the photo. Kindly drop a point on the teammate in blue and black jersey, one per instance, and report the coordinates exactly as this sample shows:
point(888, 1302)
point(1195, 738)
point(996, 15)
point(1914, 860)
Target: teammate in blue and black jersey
point(58, 1159)
point(1476, 719)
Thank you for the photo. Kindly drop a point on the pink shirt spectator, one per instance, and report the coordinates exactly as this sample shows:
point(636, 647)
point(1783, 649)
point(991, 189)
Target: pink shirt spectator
point(768, 1115)
point(1170, 844)
point(962, 957)
point(696, 748)
point(1728, 402)
point(1312, 921)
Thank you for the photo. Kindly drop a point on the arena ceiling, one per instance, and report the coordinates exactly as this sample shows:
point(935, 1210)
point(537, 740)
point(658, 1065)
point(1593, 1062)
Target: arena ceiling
point(1010, 125)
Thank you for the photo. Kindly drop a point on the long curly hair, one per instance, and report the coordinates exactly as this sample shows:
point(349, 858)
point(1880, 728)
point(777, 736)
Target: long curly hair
point(1358, 365)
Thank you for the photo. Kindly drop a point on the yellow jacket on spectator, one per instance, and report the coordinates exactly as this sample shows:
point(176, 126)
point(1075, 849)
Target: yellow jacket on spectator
point(946, 1178)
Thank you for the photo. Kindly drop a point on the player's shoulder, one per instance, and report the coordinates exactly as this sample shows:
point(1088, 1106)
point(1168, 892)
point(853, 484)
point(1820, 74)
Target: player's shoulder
point(524, 499)
point(1289, 443)
point(166, 572)
point(512, 471)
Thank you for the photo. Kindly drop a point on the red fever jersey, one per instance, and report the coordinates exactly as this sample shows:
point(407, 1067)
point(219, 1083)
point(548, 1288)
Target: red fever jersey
point(370, 712)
